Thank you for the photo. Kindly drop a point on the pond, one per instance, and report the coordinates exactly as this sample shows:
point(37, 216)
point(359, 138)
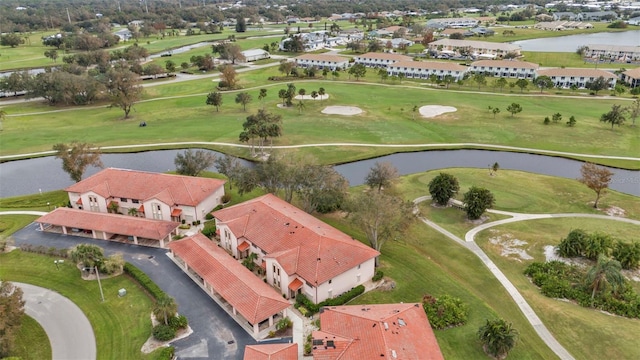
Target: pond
point(571, 43)
point(45, 174)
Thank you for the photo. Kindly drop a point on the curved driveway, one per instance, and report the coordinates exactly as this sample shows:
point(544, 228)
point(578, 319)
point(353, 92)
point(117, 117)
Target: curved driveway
point(68, 329)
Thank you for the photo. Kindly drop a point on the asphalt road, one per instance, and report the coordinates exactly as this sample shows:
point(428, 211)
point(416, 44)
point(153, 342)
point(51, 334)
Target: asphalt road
point(215, 334)
point(68, 329)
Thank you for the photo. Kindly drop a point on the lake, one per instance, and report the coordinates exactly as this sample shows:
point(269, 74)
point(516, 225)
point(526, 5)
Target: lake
point(571, 43)
point(30, 176)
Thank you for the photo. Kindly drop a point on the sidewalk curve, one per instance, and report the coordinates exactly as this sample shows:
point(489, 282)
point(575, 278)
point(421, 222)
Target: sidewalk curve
point(68, 329)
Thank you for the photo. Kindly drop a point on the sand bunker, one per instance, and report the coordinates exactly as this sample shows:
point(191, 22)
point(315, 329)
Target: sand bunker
point(308, 97)
point(511, 247)
point(342, 110)
point(430, 111)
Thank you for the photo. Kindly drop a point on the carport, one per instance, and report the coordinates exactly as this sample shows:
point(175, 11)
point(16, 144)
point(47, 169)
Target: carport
point(113, 227)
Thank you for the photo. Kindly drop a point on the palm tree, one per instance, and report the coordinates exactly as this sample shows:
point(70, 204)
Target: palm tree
point(165, 309)
point(321, 92)
point(498, 337)
point(133, 212)
point(605, 273)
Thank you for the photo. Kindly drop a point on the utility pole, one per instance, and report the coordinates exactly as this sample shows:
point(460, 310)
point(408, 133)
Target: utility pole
point(119, 9)
point(68, 16)
point(145, 6)
point(99, 284)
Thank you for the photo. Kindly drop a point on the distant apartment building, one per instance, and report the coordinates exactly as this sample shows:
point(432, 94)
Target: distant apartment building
point(479, 49)
point(452, 23)
point(377, 60)
point(568, 77)
point(505, 68)
point(322, 61)
point(425, 69)
point(616, 53)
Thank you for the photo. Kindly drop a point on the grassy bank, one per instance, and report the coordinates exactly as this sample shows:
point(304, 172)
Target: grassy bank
point(121, 324)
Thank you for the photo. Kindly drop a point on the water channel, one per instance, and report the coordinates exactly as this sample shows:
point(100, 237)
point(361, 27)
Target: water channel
point(30, 176)
point(571, 43)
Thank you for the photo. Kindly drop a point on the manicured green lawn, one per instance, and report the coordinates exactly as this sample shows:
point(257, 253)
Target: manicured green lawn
point(388, 118)
point(36, 202)
point(32, 343)
point(520, 191)
point(121, 324)
point(585, 332)
point(27, 55)
point(425, 262)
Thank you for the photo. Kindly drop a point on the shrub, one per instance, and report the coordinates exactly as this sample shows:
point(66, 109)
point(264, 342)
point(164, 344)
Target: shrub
point(167, 353)
point(378, 276)
point(284, 323)
point(445, 312)
point(303, 301)
point(144, 281)
point(163, 332)
point(113, 263)
point(574, 244)
point(178, 322)
point(225, 198)
point(208, 216)
point(209, 229)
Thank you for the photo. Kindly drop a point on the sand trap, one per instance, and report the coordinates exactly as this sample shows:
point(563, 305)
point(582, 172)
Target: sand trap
point(430, 111)
point(308, 97)
point(342, 110)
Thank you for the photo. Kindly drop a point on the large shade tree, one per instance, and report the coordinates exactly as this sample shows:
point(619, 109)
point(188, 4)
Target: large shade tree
point(443, 187)
point(476, 201)
point(380, 216)
point(124, 89)
point(76, 157)
point(215, 99)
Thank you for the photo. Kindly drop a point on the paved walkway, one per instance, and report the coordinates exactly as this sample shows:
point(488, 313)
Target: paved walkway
point(526, 309)
point(68, 329)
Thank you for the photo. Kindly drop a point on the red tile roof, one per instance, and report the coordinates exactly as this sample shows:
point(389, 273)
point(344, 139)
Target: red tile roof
point(142, 185)
point(110, 223)
point(243, 246)
point(294, 238)
point(295, 284)
point(375, 332)
point(271, 352)
point(249, 295)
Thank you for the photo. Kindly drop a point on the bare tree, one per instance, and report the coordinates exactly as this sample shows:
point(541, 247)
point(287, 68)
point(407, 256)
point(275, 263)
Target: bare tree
point(380, 216)
point(597, 178)
point(76, 157)
point(381, 175)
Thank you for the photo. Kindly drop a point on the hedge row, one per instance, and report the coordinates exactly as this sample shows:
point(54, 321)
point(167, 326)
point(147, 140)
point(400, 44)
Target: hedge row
point(144, 281)
point(302, 300)
point(560, 280)
point(166, 353)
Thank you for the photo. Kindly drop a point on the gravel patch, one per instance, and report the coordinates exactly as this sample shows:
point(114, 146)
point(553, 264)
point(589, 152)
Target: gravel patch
point(511, 247)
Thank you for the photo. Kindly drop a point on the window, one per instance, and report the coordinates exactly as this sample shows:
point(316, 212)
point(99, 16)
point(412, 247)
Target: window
point(330, 280)
point(156, 210)
point(93, 203)
point(123, 199)
point(135, 201)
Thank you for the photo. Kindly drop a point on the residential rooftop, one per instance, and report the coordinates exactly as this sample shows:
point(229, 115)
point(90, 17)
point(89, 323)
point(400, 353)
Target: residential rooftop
point(142, 185)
